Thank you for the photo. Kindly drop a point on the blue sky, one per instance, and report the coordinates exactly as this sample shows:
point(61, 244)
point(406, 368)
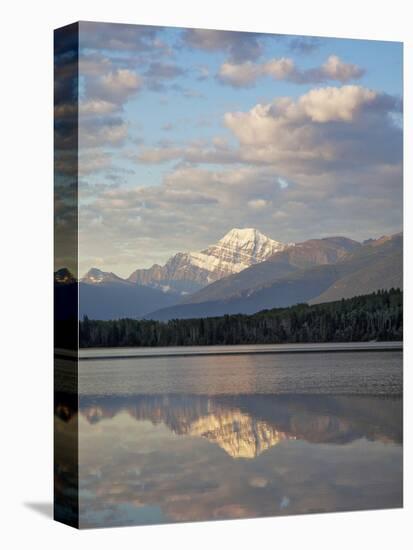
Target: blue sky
point(185, 134)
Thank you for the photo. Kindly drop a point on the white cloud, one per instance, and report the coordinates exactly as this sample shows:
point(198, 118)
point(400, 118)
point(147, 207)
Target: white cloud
point(264, 121)
point(259, 204)
point(335, 69)
point(239, 74)
point(100, 107)
point(247, 73)
point(117, 85)
point(335, 104)
point(323, 130)
point(280, 69)
point(96, 107)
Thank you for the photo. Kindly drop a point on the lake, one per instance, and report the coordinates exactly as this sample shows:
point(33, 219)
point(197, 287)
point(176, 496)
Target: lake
point(171, 439)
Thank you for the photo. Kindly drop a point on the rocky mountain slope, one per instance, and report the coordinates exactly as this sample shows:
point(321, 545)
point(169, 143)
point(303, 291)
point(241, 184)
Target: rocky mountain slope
point(284, 262)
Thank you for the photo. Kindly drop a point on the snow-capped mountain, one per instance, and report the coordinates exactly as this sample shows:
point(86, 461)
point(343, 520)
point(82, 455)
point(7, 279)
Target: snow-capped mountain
point(237, 250)
point(189, 271)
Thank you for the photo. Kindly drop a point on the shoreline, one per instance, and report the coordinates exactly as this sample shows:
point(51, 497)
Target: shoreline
point(93, 354)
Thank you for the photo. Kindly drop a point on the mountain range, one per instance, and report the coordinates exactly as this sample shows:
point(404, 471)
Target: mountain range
point(104, 295)
point(186, 272)
point(244, 272)
point(315, 271)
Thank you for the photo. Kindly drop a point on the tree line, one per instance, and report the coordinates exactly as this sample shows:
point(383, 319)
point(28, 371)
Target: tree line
point(376, 316)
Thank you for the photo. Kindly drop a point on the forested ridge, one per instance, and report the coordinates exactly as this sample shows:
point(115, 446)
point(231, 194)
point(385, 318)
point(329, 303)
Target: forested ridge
point(377, 316)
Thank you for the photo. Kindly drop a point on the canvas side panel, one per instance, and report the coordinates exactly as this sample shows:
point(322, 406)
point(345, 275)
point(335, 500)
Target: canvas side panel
point(66, 318)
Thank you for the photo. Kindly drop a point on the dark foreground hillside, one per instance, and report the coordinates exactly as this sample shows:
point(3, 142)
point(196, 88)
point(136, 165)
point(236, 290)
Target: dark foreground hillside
point(377, 316)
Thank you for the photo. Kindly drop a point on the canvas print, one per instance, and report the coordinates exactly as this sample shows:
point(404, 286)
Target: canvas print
point(228, 275)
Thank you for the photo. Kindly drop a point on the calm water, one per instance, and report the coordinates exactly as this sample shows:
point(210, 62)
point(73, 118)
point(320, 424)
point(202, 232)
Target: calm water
point(337, 373)
point(200, 438)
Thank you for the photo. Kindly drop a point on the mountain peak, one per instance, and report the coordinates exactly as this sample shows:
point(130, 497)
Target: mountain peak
point(237, 250)
point(244, 247)
point(246, 234)
point(252, 241)
point(95, 276)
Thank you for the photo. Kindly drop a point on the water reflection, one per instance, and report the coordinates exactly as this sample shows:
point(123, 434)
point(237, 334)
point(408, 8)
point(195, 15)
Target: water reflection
point(151, 459)
point(244, 426)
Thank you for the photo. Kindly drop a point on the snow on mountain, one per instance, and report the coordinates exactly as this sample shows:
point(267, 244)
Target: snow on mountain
point(190, 271)
point(237, 250)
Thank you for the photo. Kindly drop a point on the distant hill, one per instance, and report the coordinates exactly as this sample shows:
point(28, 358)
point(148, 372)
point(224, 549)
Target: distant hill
point(372, 266)
point(114, 300)
point(378, 264)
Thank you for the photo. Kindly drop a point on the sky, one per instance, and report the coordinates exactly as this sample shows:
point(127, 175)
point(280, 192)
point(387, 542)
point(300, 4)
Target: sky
point(187, 133)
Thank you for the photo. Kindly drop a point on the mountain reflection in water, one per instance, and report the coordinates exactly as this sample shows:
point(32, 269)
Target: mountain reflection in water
point(245, 426)
point(150, 459)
